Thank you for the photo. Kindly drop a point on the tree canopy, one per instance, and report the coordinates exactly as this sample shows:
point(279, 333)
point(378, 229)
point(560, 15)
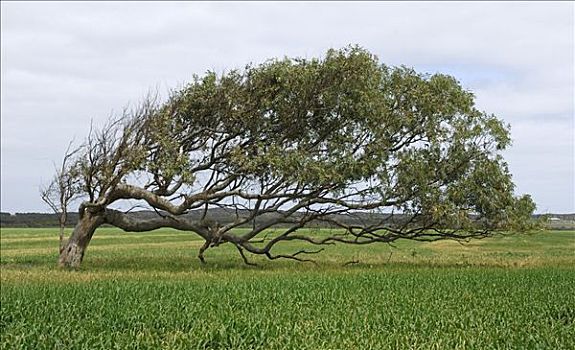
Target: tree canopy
point(301, 142)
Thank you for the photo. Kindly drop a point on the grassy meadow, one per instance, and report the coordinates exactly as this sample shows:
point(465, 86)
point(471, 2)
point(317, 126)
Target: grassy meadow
point(149, 291)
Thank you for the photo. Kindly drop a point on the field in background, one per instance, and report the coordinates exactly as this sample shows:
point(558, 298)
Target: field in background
point(148, 290)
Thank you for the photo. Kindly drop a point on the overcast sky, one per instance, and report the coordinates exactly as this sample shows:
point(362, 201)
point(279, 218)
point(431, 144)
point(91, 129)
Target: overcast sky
point(65, 63)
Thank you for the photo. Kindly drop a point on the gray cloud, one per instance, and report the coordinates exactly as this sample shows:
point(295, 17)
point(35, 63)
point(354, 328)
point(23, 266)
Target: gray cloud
point(64, 64)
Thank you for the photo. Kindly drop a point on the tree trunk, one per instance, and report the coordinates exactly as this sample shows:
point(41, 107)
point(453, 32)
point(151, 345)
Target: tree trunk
point(74, 249)
point(63, 220)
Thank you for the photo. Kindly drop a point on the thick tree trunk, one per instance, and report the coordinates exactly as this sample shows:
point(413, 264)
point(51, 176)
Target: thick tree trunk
point(74, 249)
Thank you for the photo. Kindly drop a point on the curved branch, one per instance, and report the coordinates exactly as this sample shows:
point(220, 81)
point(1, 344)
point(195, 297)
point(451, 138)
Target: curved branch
point(130, 223)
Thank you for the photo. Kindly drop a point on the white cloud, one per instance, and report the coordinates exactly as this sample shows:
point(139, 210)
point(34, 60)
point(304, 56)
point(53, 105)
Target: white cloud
point(517, 102)
point(65, 63)
point(544, 166)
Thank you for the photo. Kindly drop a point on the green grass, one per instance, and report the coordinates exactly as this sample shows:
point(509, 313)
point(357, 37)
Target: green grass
point(149, 291)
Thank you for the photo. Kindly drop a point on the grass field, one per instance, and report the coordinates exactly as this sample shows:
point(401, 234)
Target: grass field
point(149, 290)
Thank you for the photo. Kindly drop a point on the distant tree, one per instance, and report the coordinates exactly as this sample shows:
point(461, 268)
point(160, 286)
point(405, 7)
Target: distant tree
point(306, 140)
point(63, 189)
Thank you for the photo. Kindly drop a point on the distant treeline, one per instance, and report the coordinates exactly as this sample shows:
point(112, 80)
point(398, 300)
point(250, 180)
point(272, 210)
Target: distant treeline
point(222, 216)
point(557, 221)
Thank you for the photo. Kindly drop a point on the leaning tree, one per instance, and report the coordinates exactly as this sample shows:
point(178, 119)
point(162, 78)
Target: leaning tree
point(380, 153)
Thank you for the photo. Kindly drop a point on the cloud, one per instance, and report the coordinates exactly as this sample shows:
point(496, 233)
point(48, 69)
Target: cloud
point(544, 165)
point(65, 63)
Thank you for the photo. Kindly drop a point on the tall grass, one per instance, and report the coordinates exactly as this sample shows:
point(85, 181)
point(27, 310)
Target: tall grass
point(147, 291)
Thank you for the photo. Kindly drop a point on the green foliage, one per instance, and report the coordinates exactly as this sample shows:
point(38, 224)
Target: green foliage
point(416, 139)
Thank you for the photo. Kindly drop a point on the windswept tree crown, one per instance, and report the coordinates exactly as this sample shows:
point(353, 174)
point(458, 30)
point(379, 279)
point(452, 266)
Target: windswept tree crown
point(300, 142)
